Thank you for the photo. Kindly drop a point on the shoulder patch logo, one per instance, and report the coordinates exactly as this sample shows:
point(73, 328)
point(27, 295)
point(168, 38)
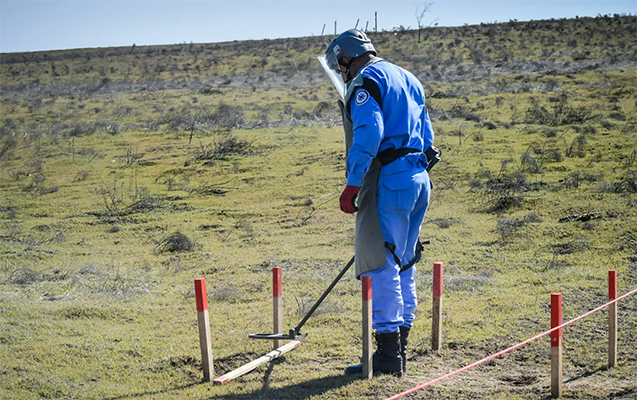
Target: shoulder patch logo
point(361, 97)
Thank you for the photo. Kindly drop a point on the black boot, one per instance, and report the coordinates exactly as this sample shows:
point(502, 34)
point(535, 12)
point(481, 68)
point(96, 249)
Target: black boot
point(404, 335)
point(386, 359)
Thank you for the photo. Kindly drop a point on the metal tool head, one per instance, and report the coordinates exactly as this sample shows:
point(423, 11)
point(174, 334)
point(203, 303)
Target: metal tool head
point(293, 335)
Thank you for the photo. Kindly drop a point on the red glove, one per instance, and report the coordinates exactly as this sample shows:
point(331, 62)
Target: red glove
point(347, 199)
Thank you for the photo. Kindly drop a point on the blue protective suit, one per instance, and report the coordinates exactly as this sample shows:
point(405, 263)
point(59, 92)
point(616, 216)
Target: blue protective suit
point(399, 121)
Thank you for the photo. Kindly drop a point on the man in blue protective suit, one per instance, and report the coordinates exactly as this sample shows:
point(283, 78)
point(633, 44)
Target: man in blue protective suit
point(388, 132)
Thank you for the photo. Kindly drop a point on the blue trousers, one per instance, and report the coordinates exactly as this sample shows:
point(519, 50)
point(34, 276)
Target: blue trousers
point(402, 199)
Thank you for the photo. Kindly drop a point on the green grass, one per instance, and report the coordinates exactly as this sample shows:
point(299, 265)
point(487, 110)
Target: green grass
point(536, 194)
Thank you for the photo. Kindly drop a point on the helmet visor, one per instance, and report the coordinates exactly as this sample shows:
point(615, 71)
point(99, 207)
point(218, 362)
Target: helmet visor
point(334, 76)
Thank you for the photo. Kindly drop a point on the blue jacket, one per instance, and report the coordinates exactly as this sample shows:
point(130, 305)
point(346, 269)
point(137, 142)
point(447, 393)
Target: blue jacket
point(400, 120)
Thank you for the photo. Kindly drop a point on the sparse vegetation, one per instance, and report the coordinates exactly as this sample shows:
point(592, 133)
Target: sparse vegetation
point(125, 173)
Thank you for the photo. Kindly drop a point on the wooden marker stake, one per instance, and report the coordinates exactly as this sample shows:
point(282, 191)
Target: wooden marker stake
point(368, 368)
point(203, 320)
point(436, 319)
point(612, 319)
point(277, 309)
point(244, 369)
point(556, 345)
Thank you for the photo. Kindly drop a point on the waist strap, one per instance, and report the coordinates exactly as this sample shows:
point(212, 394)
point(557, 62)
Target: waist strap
point(390, 155)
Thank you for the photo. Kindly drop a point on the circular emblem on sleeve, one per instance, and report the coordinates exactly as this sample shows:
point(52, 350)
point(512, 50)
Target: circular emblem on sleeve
point(361, 97)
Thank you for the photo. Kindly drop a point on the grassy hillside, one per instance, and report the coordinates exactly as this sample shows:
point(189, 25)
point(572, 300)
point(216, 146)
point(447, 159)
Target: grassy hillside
point(126, 173)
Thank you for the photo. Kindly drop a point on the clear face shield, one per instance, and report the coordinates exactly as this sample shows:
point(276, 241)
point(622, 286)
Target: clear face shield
point(334, 76)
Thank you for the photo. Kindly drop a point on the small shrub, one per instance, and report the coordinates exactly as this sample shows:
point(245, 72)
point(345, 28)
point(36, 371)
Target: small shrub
point(113, 129)
point(443, 223)
point(460, 112)
point(617, 116)
point(25, 276)
point(530, 164)
point(82, 128)
point(504, 191)
point(627, 183)
point(113, 229)
point(176, 241)
point(576, 149)
point(226, 116)
point(630, 160)
point(561, 114)
point(177, 123)
point(225, 145)
point(321, 108)
point(576, 178)
point(145, 203)
point(99, 280)
point(81, 176)
point(300, 114)
point(7, 145)
point(9, 212)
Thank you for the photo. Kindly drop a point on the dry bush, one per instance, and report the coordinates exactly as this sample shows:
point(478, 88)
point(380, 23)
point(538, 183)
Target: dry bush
point(93, 279)
point(576, 178)
point(504, 191)
point(626, 183)
point(530, 164)
point(176, 241)
point(27, 276)
point(7, 144)
point(443, 223)
point(226, 116)
point(561, 113)
point(224, 145)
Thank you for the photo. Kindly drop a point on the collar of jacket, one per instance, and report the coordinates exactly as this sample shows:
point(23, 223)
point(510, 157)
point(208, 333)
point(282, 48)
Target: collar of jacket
point(358, 79)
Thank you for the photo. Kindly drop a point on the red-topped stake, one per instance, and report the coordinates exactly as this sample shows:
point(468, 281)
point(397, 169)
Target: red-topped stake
point(277, 306)
point(368, 370)
point(203, 320)
point(201, 295)
point(438, 269)
point(612, 319)
point(367, 288)
point(556, 345)
point(612, 285)
point(436, 318)
point(556, 319)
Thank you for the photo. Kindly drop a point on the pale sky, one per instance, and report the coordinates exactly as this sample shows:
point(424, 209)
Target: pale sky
point(29, 25)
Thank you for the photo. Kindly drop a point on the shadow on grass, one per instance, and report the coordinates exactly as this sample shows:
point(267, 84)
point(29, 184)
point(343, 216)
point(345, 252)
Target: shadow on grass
point(298, 391)
point(587, 374)
point(591, 373)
